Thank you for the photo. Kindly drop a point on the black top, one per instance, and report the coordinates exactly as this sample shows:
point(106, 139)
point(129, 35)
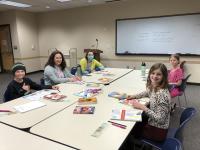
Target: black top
point(15, 90)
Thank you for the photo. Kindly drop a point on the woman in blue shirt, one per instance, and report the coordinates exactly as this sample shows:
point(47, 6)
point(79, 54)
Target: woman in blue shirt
point(55, 71)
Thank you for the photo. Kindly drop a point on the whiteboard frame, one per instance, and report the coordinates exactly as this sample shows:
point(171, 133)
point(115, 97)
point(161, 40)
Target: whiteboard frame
point(149, 17)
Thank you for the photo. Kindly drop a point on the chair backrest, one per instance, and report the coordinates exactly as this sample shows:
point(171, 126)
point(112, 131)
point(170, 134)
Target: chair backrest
point(73, 70)
point(172, 144)
point(5, 96)
point(186, 116)
point(184, 83)
point(42, 81)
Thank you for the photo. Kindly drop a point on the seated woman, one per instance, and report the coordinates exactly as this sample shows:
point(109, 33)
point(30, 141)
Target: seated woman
point(21, 85)
point(55, 71)
point(89, 64)
point(156, 117)
point(175, 75)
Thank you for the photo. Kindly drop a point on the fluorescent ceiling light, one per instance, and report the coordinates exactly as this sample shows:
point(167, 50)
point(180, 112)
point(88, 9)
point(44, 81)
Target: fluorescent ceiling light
point(63, 0)
point(10, 3)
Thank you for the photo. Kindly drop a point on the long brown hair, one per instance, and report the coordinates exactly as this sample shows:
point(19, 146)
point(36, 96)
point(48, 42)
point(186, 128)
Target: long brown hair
point(51, 60)
point(164, 82)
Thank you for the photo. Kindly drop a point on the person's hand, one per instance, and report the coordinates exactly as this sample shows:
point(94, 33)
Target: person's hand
point(101, 68)
point(72, 79)
point(130, 97)
point(85, 72)
point(78, 78)
point(137, 105)
point(26, 87)
point(54, 87)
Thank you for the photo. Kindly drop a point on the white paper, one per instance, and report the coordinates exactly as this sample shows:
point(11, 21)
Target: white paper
point(39, 94)
point(29, 106)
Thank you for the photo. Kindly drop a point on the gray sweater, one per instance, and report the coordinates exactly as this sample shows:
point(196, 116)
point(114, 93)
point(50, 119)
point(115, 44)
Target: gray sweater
point(51, 77)
point(159, 111)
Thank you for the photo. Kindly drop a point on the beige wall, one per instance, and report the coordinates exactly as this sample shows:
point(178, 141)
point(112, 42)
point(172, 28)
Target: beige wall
point(24, 34)
point(27, 27)
point(81, 26)
point(9, 17)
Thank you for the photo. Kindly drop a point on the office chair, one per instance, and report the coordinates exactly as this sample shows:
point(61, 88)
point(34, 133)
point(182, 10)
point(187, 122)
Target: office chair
point(182, 88)
point(186, 116)
point(73, 70)
point(172, 144)
point(42, 81)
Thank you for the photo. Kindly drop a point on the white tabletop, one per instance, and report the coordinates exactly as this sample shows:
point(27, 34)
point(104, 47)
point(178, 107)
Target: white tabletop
point(76, 130)
point(110, 73)
point(30, 118)
point(11, 138)
point(133, 81)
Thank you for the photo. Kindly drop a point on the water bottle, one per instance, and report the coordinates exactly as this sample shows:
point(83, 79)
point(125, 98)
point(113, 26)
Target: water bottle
point(78, 72)
point(143, 69)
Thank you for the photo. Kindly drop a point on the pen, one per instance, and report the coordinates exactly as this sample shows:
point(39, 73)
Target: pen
point(1, 110)
point(123, 127)
point(117, 124)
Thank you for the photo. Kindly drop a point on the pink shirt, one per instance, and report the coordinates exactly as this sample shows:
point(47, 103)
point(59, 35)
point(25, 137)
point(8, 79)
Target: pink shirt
point(174, 76)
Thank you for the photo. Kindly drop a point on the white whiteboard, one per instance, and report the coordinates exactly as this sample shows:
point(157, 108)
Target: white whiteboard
point(159, 35)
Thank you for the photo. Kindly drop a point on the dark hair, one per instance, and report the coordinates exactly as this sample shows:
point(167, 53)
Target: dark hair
point(51, 60)
point(177, 56)
point(87, 55)
point(164, 82)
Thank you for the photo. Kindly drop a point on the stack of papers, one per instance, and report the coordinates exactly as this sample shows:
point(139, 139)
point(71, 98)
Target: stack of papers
point(29, 106)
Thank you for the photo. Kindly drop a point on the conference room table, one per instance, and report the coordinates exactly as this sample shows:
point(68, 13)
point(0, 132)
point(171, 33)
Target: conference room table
point(12, 138)
point(106, 76)
point(27, 119)
point(76, 129)
point(56, 120)
point(134, 81)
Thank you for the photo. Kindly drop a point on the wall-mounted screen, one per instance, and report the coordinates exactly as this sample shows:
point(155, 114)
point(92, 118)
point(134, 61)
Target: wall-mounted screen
point(159, 35)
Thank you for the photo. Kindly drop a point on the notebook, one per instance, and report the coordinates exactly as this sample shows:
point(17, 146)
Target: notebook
point(105, 80)
point(127, 101)
point(29, 106)
point(117, 95)
point(91, 100)
point(55, 96)
point(89, 92)
point(126, 115)
point(84, 110)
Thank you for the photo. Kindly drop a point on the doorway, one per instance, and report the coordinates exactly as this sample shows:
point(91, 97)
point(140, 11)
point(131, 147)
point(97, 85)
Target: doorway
point(6, 51)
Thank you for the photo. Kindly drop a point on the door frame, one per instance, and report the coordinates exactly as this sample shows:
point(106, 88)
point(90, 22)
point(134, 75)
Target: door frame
point(8, 26)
